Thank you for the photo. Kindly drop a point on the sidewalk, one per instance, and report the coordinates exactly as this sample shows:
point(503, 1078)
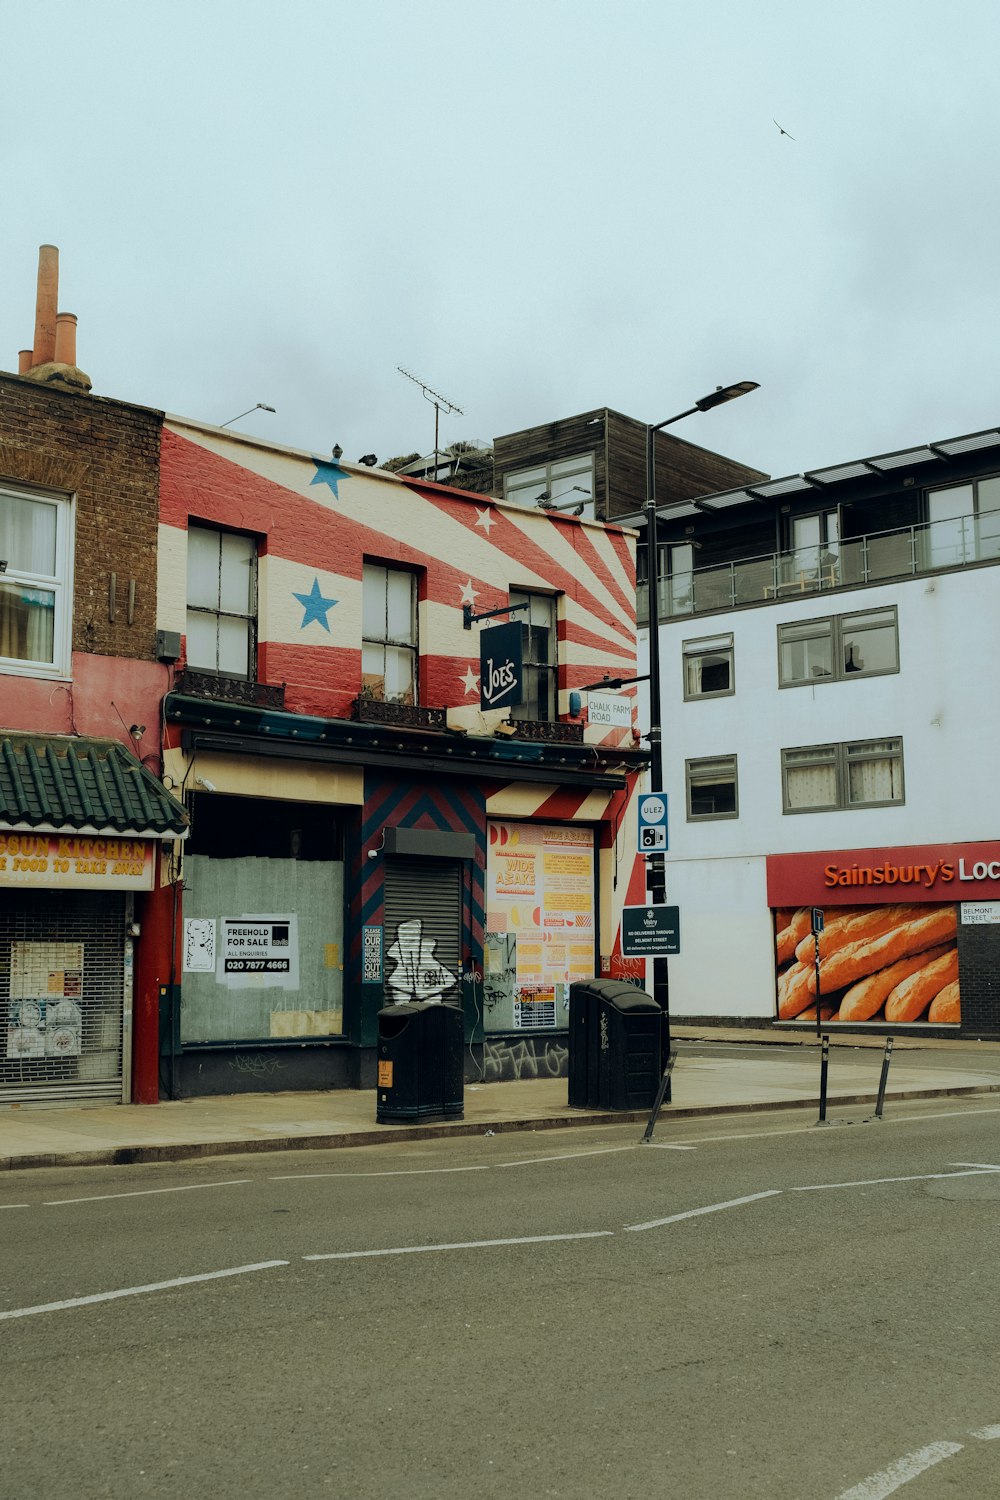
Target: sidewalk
point(786, 1076)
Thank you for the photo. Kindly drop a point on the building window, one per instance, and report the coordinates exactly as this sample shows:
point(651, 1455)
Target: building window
point(857, 773)
point(564, 482)
point(708, 667)
point(964, 523)
point(389, 634)
point(221, 602)
point(35, 583)
point(711, 788)
point(538, 653)
point(841, 646)
point(815, 556)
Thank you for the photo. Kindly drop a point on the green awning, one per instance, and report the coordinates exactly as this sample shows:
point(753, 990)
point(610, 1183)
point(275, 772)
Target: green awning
point(56, 782)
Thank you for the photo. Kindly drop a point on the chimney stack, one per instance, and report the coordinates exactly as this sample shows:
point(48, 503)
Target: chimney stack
point(52, 360)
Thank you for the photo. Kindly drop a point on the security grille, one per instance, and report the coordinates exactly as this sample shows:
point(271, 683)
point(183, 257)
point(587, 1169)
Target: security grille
point(61, 995)
point(423, 929)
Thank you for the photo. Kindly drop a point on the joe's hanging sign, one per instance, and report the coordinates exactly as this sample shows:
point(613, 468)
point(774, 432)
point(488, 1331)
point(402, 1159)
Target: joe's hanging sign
point(501, 671)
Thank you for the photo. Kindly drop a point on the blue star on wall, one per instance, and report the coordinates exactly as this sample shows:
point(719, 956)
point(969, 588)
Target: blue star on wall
point(328, 473)
point(315, 606)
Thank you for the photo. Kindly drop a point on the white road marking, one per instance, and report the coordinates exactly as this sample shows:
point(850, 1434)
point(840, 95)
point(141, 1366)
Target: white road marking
point(402, 1172)
point(661, 1146)
point(986, 1433)
point(712, 1208)
point(532, 1161)
point(822, 1187)
point(15, 1205)
point(878, 1486)
point(530, 1239)
point(189, 1187)
point(138, 1291)
point(984, 1166)
point(763, 1135)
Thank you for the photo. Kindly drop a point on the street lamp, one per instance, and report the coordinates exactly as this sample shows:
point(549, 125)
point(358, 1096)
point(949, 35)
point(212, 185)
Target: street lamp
point(656, 876)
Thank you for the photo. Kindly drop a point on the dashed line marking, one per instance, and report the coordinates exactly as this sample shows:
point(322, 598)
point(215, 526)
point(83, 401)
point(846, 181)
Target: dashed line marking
point(822, 1187)
point(712, 1208)
point(138, 1291)
point(878, 1486)
point(190, 1187)
point(531, 1239)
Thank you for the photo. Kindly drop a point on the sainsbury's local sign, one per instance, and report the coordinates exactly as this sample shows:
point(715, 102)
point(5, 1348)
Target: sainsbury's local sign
point(865, 877)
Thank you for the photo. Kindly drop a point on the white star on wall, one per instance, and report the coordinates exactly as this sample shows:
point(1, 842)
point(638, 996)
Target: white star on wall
point(484, 518)
point(471, 681)
point(469, 594)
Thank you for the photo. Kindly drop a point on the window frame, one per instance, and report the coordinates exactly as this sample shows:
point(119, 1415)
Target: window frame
point(523, 487)
point(691, 768)
point(408, 643)
point(709, 645)
point(59, 584)
point(525, 709)
point(836, 627)
point(842, 755)
point(251, 617)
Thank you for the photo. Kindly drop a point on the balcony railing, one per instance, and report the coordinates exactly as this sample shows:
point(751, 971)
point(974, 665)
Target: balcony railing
point(875, 558)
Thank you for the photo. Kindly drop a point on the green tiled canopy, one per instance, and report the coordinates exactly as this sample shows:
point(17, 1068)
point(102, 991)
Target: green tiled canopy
point(55, 781)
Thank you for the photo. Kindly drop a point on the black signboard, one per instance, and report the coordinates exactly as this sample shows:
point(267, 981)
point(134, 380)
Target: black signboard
point(501, 670)
point(650, 931)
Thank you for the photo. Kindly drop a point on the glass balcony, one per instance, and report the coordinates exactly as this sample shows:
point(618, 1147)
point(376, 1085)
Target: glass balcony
point(877, 557)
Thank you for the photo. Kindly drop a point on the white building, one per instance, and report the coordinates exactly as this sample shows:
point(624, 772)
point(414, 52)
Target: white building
point(830, 725)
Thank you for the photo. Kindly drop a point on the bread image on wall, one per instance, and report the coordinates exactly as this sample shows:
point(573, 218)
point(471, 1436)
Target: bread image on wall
point(895, 964)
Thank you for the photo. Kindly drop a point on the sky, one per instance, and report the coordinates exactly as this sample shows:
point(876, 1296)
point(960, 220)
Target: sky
point(535, 206)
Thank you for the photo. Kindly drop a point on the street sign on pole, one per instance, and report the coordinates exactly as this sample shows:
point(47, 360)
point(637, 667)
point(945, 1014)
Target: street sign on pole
point(653, 823)
point(650, 931)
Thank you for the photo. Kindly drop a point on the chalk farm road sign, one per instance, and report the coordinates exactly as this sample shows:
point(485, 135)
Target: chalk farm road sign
point(609, 710)
point(650, 931)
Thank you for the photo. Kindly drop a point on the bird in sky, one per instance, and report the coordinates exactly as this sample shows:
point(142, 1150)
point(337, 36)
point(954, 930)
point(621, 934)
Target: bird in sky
point(783, 130)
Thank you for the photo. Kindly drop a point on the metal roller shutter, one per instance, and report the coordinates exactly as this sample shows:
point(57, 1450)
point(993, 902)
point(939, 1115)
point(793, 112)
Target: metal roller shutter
point(62, 987)
point(423, 929)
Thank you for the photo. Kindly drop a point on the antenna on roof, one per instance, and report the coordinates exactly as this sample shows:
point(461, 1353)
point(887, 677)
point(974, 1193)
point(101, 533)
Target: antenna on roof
point(438, 401)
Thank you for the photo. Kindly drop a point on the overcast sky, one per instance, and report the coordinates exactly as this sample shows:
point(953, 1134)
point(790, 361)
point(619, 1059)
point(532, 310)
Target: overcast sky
point(537, 206)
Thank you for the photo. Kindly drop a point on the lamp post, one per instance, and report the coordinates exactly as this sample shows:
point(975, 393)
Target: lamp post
point(656, 871)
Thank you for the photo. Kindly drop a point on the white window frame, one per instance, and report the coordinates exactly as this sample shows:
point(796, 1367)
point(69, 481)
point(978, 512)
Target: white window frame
point(59, 584)
point(379, 639)
point(711, 769)
point(562, 482)
point(219, 613)
point(841, 757)
point(715, 645)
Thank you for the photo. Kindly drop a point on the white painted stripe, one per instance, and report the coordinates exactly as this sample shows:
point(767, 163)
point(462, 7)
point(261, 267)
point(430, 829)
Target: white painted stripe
point(533, 1161)
point(878, 1486)
point(15, 1205)
point(659, 1145)
point(190, 1187)
point(822, 1187)
point(531, 1239)
point(986, 1433)
point(138, 1291)
point(763, 1135)
point(712, 1208)
point(408, 1172)
point(984, 1166)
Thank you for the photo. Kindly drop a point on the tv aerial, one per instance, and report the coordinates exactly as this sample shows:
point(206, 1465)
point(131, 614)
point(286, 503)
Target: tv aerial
point(439, 402)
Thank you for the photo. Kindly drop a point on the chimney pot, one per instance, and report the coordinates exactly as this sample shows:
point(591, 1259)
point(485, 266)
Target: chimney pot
point(66, 338)
point(45, 305)
point(23, 361)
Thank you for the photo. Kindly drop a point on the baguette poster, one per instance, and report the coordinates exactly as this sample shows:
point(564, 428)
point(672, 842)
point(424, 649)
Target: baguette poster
point(894, 965)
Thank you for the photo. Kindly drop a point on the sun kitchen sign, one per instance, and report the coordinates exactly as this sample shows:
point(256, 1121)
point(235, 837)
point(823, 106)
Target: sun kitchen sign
point(869, 877)
point(76, 862)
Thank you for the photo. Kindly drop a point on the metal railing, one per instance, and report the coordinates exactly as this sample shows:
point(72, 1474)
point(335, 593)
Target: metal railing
point(877, 557)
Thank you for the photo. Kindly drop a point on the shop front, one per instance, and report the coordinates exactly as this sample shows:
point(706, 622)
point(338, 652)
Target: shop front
point(81, 824)
point(904, 937)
